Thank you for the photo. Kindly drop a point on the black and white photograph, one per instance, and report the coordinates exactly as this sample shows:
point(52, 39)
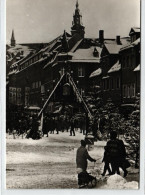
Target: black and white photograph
point(73, 94)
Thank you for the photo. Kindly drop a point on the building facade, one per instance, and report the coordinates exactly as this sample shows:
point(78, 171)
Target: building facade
point(91, 62)
point(130, 67)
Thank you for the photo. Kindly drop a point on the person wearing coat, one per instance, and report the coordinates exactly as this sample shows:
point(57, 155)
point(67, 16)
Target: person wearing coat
point(117, 153)
point(72, 131)
point(106, 161)
point(82, 156)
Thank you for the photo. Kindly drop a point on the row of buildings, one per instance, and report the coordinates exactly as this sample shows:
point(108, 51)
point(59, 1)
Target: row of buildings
point(111, 67)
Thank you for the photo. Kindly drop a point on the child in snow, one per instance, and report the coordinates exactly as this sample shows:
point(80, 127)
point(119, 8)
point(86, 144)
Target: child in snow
point(106, 160)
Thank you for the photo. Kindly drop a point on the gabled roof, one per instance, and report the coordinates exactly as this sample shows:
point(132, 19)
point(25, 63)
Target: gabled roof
point(116, 67)
point(134, 30)
point(96, 73)
point(113, 48)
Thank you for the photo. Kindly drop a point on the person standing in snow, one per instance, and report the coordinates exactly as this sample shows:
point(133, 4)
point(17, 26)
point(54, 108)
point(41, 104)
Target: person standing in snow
point(82, 156)
point(72, 131)
point(122, 157)
point(106, 160)
point(117, 153)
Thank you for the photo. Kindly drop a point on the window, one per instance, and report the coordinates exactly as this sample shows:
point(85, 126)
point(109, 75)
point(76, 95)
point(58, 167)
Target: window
point(128, 91)
point(33, 85)
point(133, 88)
point(81, 72)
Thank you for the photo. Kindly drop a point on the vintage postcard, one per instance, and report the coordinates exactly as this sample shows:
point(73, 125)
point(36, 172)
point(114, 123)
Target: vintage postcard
point(73, 94)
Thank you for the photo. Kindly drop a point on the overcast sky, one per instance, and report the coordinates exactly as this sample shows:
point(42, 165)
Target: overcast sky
point(43, 20)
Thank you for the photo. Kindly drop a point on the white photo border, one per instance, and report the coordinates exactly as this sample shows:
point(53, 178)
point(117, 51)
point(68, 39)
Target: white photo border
point(4, 191)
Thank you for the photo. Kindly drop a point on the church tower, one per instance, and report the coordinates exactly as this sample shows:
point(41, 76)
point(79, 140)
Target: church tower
point(77, 25)
point(13, 41)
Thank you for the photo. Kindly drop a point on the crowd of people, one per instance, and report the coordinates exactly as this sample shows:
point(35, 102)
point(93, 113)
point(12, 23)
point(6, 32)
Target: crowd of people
point(23, 124)
point(114, 158)
point(63, 123)
point(29, 125)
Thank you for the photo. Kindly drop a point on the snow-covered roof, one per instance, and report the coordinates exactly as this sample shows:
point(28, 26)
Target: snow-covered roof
point(136, 42)
point(134, 30)
point(113, 48)
point(65, 54)
point(58, 110)
point(137, 68)
point(18, 48)
point(33, 108)
point(86, 54)
point(116, 67)
point(106, 77)
point(96, 73)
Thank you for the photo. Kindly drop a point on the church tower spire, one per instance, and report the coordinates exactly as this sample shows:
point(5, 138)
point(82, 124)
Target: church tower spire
point(13, 41)
point(77, 4)
point(77, 25)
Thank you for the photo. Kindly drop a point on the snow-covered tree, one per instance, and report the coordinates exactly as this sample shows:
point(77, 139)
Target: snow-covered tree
point(132, 133)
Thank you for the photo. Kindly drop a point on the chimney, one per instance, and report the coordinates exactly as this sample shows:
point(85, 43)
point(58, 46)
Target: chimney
point(101, 36)
point(118, 40)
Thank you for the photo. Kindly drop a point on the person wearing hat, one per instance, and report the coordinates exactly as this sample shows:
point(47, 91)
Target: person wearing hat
point(82, 156)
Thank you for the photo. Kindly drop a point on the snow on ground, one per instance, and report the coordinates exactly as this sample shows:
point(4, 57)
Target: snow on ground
point(49, 163)
point(118, 182)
